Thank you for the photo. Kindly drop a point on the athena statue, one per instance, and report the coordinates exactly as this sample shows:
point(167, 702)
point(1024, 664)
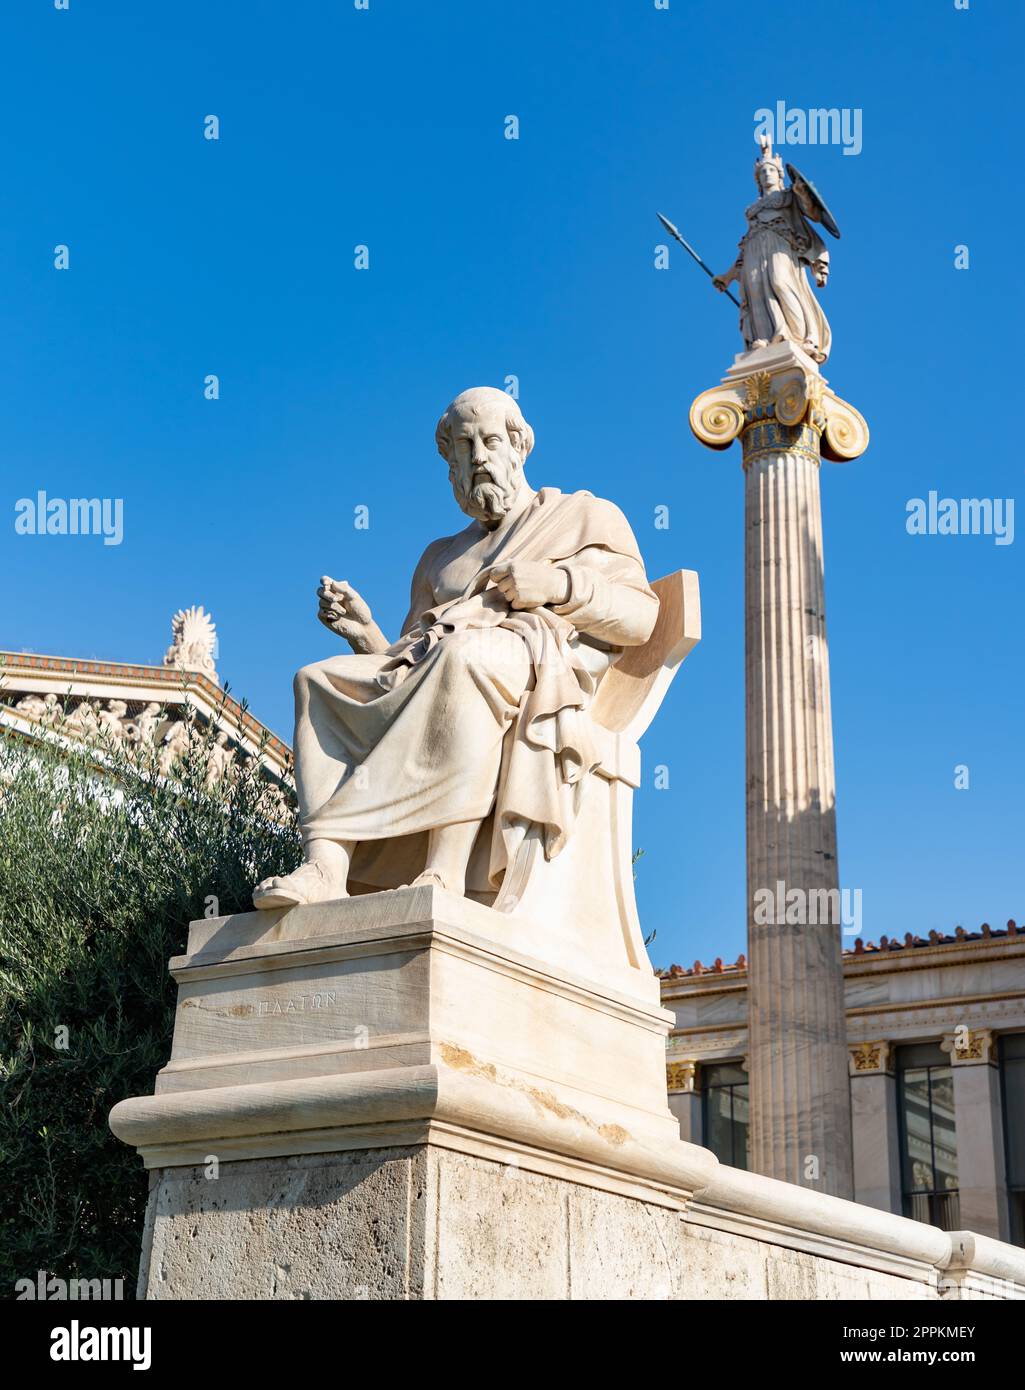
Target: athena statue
point(777, 303)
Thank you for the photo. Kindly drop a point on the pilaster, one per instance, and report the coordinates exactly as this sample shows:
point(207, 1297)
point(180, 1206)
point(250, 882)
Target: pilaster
point(978, 1120)
point(876, 1140)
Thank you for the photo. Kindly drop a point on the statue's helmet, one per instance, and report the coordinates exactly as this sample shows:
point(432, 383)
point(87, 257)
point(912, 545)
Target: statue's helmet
point(767, 160)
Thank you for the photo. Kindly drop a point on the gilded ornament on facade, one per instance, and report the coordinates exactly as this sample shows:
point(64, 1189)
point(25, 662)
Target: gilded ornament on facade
point(680, 1075)
point(758, 390)
point(870, 1056)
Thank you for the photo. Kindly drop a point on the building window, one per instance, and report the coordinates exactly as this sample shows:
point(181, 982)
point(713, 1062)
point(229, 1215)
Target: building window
point(928, 1138)
point(724, 1112)
point(1012, 1088)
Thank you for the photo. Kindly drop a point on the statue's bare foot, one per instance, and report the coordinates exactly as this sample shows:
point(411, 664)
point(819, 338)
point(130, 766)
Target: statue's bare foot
point(448, 855)
point(431, 878)
point(307, 884)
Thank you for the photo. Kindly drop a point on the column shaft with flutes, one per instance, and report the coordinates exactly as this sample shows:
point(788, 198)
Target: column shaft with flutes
point(797, 1057)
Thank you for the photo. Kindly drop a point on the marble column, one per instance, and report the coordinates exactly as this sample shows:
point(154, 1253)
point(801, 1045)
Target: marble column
point(876, 1141)
point(979, 1124)
point(777, 403)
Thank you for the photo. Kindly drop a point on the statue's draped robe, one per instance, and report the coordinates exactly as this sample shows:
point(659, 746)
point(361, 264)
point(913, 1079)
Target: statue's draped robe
point(776, 299)
point(475, 713)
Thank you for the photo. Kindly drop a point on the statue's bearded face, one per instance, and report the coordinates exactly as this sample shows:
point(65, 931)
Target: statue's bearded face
point(485, 467)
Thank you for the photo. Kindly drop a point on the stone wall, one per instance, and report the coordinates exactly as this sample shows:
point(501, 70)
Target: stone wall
point(428, 1222)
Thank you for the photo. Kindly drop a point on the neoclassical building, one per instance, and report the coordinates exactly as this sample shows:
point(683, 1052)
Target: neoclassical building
point(61, 699)
point(936, 1037)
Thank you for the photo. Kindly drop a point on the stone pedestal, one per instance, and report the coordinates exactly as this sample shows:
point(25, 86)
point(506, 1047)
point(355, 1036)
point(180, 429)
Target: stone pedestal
point(405, 1222)
point(383, 1098)
point(777, 403)
point(403, 1040)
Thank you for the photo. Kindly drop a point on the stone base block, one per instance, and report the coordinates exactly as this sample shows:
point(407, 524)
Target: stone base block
point(425, 1222)
point(414, 1223)
point(404, 1018)
point(386, 1098)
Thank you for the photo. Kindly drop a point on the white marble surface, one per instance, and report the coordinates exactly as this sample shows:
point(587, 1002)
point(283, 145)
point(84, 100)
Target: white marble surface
point(401, 1104)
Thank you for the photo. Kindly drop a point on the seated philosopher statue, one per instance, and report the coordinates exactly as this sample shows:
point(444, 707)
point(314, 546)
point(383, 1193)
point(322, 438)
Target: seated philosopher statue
point(419, 759)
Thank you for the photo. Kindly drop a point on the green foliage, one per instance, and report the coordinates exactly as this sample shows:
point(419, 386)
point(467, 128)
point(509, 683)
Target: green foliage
point(102, 865)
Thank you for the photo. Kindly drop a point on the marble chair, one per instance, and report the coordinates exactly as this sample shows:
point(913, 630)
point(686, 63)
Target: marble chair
point(588, 888)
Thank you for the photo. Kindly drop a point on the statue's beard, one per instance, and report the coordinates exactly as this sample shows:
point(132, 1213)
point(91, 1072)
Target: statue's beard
point(487, 500)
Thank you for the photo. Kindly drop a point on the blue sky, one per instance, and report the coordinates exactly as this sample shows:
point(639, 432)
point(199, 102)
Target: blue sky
point(534, 257)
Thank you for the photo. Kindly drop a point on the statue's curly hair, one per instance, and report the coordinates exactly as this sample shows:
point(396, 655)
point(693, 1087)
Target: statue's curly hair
point(470, 402)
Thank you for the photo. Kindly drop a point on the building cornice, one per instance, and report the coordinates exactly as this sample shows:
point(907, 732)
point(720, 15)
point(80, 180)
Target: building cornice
point(171, 678)
point(903, 959)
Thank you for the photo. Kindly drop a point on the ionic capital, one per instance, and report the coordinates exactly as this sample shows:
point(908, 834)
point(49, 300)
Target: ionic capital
point(789, 392)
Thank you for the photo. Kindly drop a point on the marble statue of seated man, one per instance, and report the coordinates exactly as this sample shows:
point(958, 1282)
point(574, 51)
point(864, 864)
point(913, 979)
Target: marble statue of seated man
point(415, 758)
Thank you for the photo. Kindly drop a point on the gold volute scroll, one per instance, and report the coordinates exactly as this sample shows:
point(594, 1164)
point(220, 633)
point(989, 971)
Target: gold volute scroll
point(717, 417)
point(846, 433)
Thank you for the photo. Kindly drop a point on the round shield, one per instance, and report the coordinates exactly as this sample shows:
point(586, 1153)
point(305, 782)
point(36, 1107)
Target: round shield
point(822, 214)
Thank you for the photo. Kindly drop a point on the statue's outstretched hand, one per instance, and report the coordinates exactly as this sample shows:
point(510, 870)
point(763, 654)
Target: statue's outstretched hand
point(720, 282)
point(348, 614)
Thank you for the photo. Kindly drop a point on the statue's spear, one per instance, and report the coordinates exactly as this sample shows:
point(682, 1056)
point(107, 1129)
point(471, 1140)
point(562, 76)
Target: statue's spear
point(687, 247)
